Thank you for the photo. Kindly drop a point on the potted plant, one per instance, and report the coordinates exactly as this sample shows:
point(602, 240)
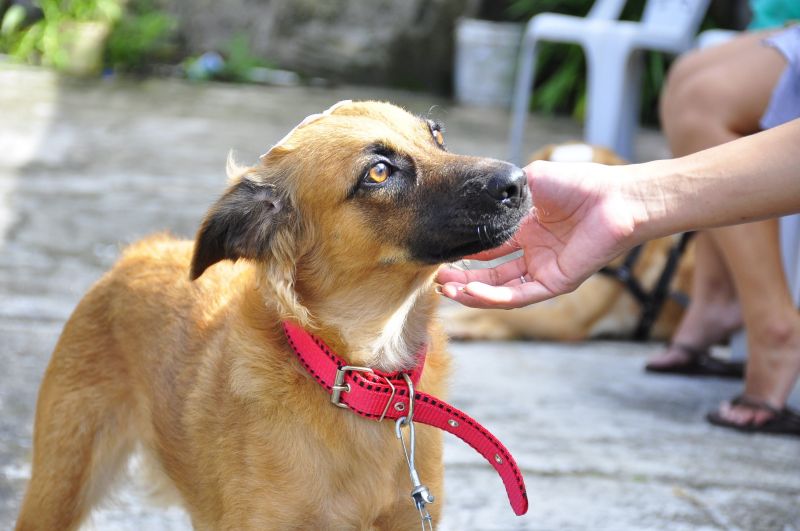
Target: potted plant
point(69, 36)
point(485, 61)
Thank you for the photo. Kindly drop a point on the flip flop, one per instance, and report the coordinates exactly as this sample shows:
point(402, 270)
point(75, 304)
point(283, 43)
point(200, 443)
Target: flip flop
point(700, 363)
point(784, 421)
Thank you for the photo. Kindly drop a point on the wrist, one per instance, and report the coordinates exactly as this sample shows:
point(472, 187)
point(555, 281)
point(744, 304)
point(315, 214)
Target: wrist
point(640, 188)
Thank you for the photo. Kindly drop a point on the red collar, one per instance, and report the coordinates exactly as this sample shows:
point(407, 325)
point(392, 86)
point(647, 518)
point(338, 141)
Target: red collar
point(378, 395)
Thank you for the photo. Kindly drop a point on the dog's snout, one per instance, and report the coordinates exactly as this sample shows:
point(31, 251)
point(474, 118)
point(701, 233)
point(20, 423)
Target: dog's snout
point(508, 184)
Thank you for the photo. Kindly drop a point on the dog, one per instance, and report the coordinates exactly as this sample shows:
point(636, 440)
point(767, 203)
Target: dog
point(600, 307)
point(179, 350)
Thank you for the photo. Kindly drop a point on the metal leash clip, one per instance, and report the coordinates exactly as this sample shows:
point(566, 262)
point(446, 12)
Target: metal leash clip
point(419, 493)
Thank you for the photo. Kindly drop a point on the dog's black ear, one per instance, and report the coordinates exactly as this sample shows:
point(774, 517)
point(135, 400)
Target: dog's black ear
point(240, 225)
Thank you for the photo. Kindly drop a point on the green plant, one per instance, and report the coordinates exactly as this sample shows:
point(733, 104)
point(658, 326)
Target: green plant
point(142, 36)
point(49, 40)
point(524, 9)
point(12, 20)
point(240, 60)
point(83, 35)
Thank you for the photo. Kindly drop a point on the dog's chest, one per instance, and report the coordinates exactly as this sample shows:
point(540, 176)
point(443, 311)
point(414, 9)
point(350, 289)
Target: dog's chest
point(350, 472)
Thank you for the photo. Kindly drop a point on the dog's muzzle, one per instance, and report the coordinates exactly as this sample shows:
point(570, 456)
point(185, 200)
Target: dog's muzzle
point(487, 201)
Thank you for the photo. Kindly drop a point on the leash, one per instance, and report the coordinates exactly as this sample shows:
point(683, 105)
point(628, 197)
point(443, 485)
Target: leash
point(377, 395)
point(651, 302)
point(419, 493)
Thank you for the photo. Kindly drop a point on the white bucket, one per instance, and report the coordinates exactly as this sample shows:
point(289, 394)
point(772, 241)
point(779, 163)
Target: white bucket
point(485, 63)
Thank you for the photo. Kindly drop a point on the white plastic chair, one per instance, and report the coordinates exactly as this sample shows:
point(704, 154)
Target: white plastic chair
point(613, 50)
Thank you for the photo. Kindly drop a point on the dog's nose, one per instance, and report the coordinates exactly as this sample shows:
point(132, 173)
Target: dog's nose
point(509, 184)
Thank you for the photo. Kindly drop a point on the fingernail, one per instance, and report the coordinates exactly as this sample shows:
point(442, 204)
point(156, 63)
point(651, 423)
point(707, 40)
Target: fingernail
point(455, 266)
point(448, 290)
point(438, 289)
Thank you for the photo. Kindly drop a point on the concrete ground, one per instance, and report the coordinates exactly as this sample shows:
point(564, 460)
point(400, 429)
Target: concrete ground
point(88, 167)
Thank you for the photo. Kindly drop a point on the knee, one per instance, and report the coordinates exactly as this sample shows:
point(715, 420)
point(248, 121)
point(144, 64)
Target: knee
point(686, 69)
point(683, 68)
point(688, 102)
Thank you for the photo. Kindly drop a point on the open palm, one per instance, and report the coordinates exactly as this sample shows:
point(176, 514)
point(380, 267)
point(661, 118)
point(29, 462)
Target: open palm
point(578, 224)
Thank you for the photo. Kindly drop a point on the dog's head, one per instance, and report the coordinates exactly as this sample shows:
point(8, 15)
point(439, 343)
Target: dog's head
point(364, 188)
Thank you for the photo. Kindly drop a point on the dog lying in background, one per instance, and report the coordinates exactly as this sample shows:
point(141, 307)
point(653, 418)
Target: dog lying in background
point(179, 350)
point(600, 307)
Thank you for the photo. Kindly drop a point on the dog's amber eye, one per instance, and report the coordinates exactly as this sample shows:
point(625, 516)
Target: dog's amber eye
point(379, 173)
point(438, 136)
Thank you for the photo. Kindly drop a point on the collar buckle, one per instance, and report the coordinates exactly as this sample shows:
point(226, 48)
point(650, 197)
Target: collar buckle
point(340, 387)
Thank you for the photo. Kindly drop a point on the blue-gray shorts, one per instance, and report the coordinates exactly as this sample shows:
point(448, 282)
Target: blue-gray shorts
point(784, 105)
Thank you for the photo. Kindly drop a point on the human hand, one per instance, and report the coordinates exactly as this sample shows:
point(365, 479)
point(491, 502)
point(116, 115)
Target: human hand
point(580, 221)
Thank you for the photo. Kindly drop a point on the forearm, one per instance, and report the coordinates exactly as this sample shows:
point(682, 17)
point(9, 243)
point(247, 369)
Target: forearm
point(752, 178)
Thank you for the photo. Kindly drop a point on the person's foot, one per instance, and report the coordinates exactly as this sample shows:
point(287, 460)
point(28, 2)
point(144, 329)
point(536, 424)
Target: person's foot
point(673, 357)
point(746, 413)
point(772, 370)
point(702, 326)
point(762, 417)
point(697, 363)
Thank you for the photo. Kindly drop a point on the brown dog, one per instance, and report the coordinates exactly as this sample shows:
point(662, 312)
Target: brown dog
point(179, 351)
point(600, 307)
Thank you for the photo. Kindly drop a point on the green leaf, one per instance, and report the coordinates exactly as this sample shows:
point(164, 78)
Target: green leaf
point(12, 20)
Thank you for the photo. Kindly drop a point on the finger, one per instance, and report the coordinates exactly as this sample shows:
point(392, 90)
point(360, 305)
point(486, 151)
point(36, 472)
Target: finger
point(478, 295)
point(518, 281)
point(498, 252)
point(451, 287)
point(451, 273)
point(508, 297)
point(496, 276)
point(456, 292)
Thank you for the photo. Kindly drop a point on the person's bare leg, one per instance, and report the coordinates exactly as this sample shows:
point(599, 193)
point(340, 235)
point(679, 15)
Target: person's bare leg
point(713, 313)
point(712, 99)
point(714, 92)
point(771, 319)
point(694, 117)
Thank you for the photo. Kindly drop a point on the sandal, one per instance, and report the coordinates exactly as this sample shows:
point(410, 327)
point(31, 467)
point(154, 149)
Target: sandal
point(784, 421)
point(700, 363)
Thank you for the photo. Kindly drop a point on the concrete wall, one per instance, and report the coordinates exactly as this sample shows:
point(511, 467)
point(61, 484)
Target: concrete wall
point(406, 43)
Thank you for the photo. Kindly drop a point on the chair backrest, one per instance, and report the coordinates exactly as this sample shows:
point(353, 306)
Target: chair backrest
point(606, 9)
point(681, 17)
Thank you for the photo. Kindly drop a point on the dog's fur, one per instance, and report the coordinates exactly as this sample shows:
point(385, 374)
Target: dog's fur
point(600, 307)
point(197, 372)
